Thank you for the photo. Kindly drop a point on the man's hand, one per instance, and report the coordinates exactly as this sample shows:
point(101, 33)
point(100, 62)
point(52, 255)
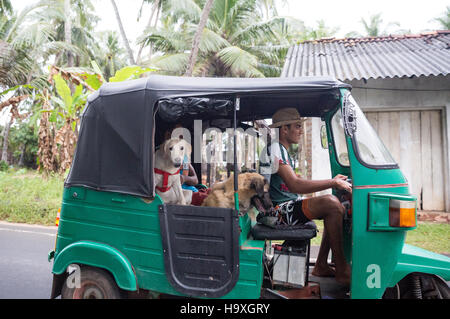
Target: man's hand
point(340, 182)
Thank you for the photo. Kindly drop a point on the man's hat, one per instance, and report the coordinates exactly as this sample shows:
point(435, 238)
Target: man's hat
point(286, 116)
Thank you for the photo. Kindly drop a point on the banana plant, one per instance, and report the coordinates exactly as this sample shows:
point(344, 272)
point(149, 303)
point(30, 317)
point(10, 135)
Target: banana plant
point(127, 73)
point(69, 106)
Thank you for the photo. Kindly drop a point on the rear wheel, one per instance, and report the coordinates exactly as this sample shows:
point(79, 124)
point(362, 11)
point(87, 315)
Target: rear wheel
point(94, 283)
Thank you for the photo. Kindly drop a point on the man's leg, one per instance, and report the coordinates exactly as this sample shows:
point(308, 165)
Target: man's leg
point(322, 269)
point(329, 209)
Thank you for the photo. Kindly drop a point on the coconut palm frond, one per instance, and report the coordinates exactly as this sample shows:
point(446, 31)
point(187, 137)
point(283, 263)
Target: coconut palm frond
point(211, 41)
point(22, 17)
point(166, 40)
point(188, 9)
point(33, 35)
point(240, 62)
point(270, 70)
point(61, 46)
point(171, 63)
point(257, 31)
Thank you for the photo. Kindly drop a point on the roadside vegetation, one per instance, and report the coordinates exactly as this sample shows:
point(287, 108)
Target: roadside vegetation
point(30, 197)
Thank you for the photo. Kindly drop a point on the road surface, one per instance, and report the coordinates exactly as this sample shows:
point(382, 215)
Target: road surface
point(25, 272)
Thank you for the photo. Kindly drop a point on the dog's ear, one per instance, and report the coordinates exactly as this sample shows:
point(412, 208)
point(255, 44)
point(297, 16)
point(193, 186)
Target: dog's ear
point(167, 144)
point(165, 147)
point(257, 184)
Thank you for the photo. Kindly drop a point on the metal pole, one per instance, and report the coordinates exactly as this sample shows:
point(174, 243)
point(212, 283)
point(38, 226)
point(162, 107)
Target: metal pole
point(236, 197)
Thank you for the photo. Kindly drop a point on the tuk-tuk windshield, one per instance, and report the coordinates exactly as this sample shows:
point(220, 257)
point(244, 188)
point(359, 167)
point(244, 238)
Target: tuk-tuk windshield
point(370, 148)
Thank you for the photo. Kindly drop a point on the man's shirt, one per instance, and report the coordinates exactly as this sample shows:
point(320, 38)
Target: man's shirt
point(279, 192)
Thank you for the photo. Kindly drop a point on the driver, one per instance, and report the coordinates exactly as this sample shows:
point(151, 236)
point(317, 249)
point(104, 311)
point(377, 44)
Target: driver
point(291, 209)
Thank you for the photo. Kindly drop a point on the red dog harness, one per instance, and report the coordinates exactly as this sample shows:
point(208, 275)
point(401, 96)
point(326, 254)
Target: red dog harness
point(165, 175)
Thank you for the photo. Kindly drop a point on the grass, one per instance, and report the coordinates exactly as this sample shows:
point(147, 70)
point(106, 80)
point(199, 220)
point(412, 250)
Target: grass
point(29, 197)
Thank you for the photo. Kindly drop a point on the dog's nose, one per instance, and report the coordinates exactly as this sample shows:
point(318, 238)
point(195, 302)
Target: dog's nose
point(177, 161)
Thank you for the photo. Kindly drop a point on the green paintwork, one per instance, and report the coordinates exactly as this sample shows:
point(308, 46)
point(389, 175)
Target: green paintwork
point(129, 227)
point(415, 259)
point(97, 255)
point(382, 253)
point(337, 168)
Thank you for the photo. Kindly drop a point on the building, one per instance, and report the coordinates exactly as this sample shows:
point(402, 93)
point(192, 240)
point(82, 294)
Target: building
point(402, 83)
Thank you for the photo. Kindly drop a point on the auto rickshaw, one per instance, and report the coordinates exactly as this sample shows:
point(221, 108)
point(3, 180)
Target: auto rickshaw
point(125, 241)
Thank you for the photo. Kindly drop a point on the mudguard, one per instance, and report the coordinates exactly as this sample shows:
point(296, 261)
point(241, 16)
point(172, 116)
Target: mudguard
point(97, 255)
point(414, 259)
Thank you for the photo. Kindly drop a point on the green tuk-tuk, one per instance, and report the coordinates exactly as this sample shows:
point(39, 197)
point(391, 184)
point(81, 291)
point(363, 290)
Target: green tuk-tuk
point(124, 241)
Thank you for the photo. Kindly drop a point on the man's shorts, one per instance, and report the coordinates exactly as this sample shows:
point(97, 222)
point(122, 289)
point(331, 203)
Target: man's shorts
point(290, 213)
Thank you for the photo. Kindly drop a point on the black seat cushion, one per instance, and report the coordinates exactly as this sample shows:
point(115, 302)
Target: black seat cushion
point(298, 232)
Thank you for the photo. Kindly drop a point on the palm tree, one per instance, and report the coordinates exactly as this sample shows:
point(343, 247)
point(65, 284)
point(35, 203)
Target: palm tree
point(321, 31)
point(233, 43)
point(444, 21)
point(197, 37)
point(122, 32)
point(16, 64)
point(73, 32)
point(156, 8)
point(5, 7)
point(373, 26)
point(68, 31)
point(108, 53)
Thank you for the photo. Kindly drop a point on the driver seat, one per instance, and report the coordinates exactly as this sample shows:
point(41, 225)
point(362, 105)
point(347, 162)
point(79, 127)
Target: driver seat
point(295, 233)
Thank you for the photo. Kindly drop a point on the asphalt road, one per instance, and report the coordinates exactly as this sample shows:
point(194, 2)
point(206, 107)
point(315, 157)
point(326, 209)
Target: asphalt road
point(25, 272)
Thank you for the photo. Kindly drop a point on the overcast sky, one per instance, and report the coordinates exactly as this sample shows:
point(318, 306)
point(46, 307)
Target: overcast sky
point(414, 15)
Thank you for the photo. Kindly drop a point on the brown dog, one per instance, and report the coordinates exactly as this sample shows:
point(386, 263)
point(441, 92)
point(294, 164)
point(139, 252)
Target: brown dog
point(249, 186)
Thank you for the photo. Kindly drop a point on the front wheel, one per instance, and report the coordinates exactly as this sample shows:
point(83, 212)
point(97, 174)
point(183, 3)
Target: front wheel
point(419, 286)
point(93, 283)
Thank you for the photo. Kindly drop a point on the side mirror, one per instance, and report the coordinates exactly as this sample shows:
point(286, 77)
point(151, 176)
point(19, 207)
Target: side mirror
point(323, 137)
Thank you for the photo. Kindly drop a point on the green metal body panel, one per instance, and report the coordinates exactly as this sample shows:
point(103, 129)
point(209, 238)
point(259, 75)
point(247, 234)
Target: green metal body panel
point(380, 258)
point(97, 227)
point(97, 255)
point(337, 168)
point(415, 259)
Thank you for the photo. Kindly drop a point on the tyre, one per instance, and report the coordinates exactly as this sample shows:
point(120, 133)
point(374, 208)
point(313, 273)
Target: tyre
point(93, 283)
point(419, 286)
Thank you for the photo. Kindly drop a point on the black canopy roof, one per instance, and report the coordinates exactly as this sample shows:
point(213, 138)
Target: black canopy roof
point(115, 144)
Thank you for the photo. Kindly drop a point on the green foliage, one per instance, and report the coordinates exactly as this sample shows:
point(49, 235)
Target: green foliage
point(29, 197)
point(444, 20)
point(67, 106)
point(23, 143)
point(236, 41)
point(124, 74)
point(3, 166)
point(129, 72)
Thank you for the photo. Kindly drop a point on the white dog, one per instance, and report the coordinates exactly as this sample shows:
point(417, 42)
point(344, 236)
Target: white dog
point(168, 161)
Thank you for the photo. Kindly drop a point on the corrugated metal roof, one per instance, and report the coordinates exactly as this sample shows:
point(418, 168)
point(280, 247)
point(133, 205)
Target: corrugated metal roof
point(371, 57)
